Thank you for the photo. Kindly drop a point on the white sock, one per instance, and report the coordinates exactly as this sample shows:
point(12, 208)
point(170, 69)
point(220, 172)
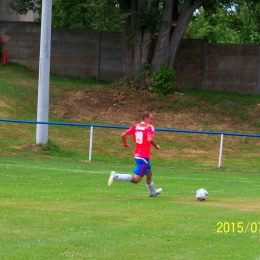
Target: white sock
point(151, 188)
point(123, 177)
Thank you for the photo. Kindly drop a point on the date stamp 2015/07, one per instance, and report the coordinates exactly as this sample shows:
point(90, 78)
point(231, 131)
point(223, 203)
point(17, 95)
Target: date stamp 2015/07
point(238, 227)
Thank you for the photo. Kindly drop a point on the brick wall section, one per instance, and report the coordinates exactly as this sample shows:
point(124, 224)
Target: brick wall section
point(86, 53)
point(111, 67)
point(189, 63)
point(233, 68)
point(22, 41)
point(73, 51)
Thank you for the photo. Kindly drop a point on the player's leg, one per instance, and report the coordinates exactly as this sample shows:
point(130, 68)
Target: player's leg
point(150, 185)
point(123, 177)
point(118, 176)
point(149, 177)
point(139, 172)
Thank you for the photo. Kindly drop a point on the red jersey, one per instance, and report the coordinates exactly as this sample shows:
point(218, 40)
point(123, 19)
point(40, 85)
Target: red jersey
point(140, 133)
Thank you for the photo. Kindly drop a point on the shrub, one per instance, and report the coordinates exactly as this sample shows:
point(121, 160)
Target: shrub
point(162, 81)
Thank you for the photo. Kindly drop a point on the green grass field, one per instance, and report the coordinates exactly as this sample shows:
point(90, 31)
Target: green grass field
point(58, 209)
point(54, 204)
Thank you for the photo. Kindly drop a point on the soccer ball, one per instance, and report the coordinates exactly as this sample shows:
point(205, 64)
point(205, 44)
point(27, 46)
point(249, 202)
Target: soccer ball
point(201, 194)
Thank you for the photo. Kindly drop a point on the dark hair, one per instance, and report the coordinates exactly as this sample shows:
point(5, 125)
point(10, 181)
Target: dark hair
point(146, 114)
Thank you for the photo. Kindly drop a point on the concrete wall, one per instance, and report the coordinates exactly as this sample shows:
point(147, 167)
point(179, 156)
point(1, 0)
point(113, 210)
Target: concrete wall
point(189, 63)
point(7, 14)
point(233, 68)
point(86, 53)
point(222, 67)
point(74, 52)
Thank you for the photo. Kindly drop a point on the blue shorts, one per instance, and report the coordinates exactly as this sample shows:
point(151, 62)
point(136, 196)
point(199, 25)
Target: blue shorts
point(142, 166)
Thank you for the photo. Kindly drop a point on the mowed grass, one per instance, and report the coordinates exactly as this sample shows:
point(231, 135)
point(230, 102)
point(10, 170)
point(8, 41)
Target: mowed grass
point(56, 205)
point(59, 209)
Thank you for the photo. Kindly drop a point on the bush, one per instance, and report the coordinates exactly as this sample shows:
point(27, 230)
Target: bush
point(163, 80)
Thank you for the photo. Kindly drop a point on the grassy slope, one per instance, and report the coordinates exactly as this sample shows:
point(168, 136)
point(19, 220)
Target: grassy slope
point(86, 101)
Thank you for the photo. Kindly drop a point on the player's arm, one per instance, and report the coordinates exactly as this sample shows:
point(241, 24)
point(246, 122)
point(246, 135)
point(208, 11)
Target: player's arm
point(124, 140)
point(153, 143)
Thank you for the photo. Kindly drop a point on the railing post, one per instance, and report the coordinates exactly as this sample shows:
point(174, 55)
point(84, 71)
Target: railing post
point(220, 151)
point(90, 144)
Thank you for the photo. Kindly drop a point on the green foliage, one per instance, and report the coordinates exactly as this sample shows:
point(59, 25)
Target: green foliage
point(138, 81)
point(147, 18)
point(199, 27)
point(23, 6)
point(162, 81)
point(50, 147)
point(101, 15)
point(238, 23)
point(129, 38)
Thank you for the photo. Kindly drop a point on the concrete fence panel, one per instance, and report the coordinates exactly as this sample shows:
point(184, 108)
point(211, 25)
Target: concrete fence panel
point(87, 53)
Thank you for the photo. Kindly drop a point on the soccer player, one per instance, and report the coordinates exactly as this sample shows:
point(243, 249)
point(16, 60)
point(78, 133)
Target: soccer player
point(143, 135)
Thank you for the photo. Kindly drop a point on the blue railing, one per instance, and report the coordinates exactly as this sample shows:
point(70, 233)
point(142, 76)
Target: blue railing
point(126, 127)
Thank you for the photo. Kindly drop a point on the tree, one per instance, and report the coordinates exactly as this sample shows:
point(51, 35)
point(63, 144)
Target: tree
point(237, 24)
point(101, 15)
point(144, 43)
point(152, 29)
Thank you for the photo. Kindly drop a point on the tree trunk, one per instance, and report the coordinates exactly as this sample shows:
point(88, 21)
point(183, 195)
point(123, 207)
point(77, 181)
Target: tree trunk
point(181, 27)
point(161, 53)
point(138, 41)
point(143, 42)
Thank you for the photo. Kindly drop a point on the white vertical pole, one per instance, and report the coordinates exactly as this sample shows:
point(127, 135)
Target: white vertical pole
point(90, 144)
point(44, 73)
point(220, 150)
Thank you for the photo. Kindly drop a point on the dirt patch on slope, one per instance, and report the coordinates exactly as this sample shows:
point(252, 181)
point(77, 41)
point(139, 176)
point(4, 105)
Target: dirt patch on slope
point(107, 105)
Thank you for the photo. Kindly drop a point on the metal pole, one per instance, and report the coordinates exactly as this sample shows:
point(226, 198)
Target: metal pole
point(98, 48)
point(90, 143)
point(44, 73)
point(220, 151)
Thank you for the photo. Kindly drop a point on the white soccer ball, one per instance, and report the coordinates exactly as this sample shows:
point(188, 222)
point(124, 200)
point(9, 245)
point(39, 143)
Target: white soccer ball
point(201, 194)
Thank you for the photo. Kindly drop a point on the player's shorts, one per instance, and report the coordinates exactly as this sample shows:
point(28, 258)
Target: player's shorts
point(142, 166)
